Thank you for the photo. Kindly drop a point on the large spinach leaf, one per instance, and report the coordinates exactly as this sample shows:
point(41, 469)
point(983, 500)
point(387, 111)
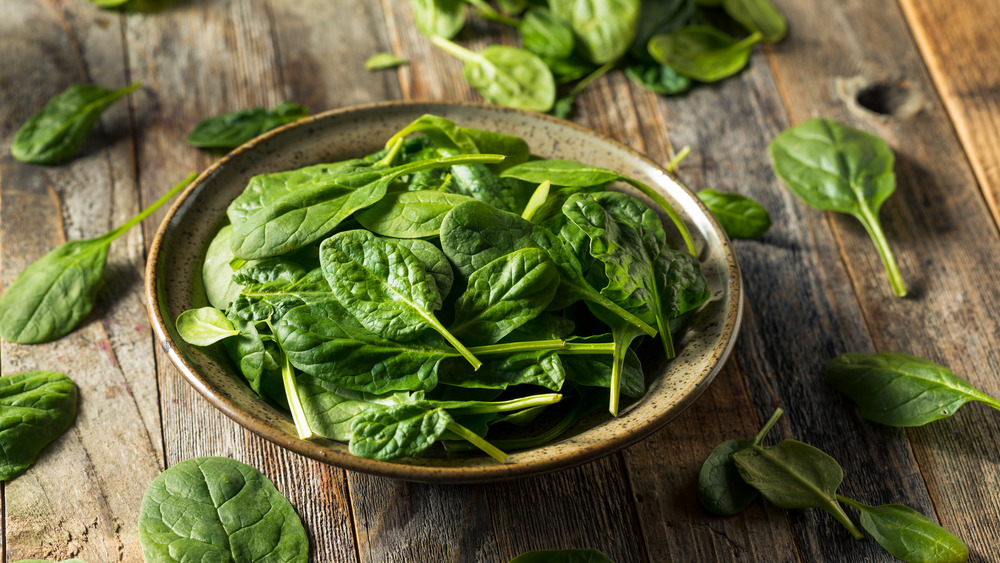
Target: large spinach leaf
point(909, 535)
point(740, 216)
point(36, 407)
point(605, 28)
point(835, 167)
point(721, 490)
point(409, 214)
point(702, 52)
point(758, 16)
point(218, 509)
point(57, 131)
point(230, 130)
point(56, 292)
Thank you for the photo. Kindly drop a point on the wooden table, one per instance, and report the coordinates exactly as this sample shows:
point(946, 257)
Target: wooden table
point(814, 285)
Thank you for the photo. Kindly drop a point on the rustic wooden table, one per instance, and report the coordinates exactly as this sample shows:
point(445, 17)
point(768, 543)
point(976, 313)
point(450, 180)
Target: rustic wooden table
point(814, 286)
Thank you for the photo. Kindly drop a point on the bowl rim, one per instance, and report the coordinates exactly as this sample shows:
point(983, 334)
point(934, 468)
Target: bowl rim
point(424, 473)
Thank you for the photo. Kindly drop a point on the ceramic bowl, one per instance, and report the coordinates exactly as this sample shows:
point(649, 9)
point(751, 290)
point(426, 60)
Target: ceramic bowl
point(173, 284)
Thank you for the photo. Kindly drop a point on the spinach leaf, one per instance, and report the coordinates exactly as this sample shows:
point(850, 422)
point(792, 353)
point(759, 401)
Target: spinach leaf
point(434, 261)
point(385, 286)
point(505, 75)
point(304, 215)
point(909, 535)
point(56, 292)
point(331, 410)
point(444, 18)
point(216, 271)
point(573, 174)
point(474, 234)
point(795, 475)
point(57, 131)
point(382, 61)
point(562, 556)
point(702, 52)
point(834, 167)
point(443, 133)
point(290, 386)
point(740, 216)
point(543, 368)
point(400, 431)
point(204, 326)
point(514, 148)
point(230, 130)
point(605, 28)
point(505, 294)
point(596, 370)
point(901, 390)
point(218, 509)
point(657, 78)
point(538, 198)
point(409, 214)
point(758, 16)
point(622, 336)
point(721, 490)
point(659, 17)
point(545, 35)
point(36, 407)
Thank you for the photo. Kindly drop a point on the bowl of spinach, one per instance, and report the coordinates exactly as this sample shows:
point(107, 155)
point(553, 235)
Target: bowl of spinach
point(443, 292)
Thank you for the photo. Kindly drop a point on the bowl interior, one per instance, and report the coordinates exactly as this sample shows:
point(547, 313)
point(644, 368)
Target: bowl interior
point(174, 285)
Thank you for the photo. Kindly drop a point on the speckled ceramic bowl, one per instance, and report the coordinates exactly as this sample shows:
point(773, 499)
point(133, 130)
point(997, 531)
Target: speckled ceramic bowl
point(173, 284)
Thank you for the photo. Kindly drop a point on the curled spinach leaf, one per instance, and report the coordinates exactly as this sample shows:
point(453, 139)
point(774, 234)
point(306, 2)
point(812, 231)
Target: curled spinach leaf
point(56, 292)
point(900, 389)
point(36, 407)
point(230, 130)
point(740, 216)
point(657, 78)
point(545, 35)
point(57, 131)
point(834, 167)
point(218, 509)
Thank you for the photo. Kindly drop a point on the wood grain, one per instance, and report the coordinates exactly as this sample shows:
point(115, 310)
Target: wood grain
point(960, 43)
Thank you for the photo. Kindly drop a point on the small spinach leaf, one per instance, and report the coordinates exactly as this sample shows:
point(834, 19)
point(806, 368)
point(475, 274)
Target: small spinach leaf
point(702, 52)
point(605, 28)
point(57, 131)
point(444, 18)
point(382, 61)
point(721, 490)
point(36, 407)
point(56, 292)
point(659, 17)
point(834, 167)
point(909, 535)
point(740, 216)
point(657, 78)
point(758, 16)
point(901, 390)
point(218, 509)
point(230, 130)
point(545, 35)
point(204, 326)
point(409, 214)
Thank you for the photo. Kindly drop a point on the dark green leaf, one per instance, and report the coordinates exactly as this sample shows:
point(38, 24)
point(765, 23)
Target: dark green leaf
point(605, 28)
point(740, 216)
point(562, 556)
point(443, 18)
point(545, 35)
point(538, 367)
point(434, 261)
point(702, 52)
point(758, 16)
point(230, 130)
point(218, 509)
point(409, 214)
point(909, 535)
point(382, 61)
point(399, 431)
point(57, 131)
point(36, 407)
point(659, 17)
point(597, 370)
point(657, 78)
point(720, 488)
point(834, 167)
point(901, 390)
point(561, 173)
point(331, 410)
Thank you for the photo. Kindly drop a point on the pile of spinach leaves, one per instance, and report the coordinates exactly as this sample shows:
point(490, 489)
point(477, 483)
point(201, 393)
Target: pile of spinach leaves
point(446, 288)
point(665, 46)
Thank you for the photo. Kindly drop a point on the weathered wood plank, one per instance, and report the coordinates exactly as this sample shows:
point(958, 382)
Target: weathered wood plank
point(90, 511)
point(944, 237)
point(960, 43)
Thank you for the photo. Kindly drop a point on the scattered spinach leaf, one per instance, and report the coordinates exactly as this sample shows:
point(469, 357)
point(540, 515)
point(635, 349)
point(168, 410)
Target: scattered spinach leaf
point(702, 52)
point(409, 214)
point(900, 389)
point(56, 292)
point(230, 130)
point(439, 18)
point(909, 535)
point(218, 509)
point(545, 35)
point(835, 167)
point(740, 216)
point(604, 28)
point(57, 131)
point(657, 78)
point(720, 488)
point(758, 16)
point(36, 407)
point(204, 326)
point(382, 61)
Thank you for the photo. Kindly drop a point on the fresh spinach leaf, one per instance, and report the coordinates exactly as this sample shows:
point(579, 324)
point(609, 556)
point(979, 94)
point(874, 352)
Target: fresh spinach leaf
point(409, 214)
point(57, 131)
point(543, 368)
point(434, 261)
point(657, 78)
point(304, 215)
point(216, 271)
point(230, 130)
point(659, 17)
point(385, 286)
point(444, 18)
point(702, 52)
point(505, 75)
point(562, 556)
point(382, 61)
point(331, 410)
point(721, 490)
point(604, 28)
point(204, 326)
point(909, 535)
point(740, 216)
point(597, 370)
point(545, 35)
point(218, 509)
point(56, 292)
point(36, 407)
point(900, 389)
point(758, 16)
point(795, 475)
point(835, 167)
